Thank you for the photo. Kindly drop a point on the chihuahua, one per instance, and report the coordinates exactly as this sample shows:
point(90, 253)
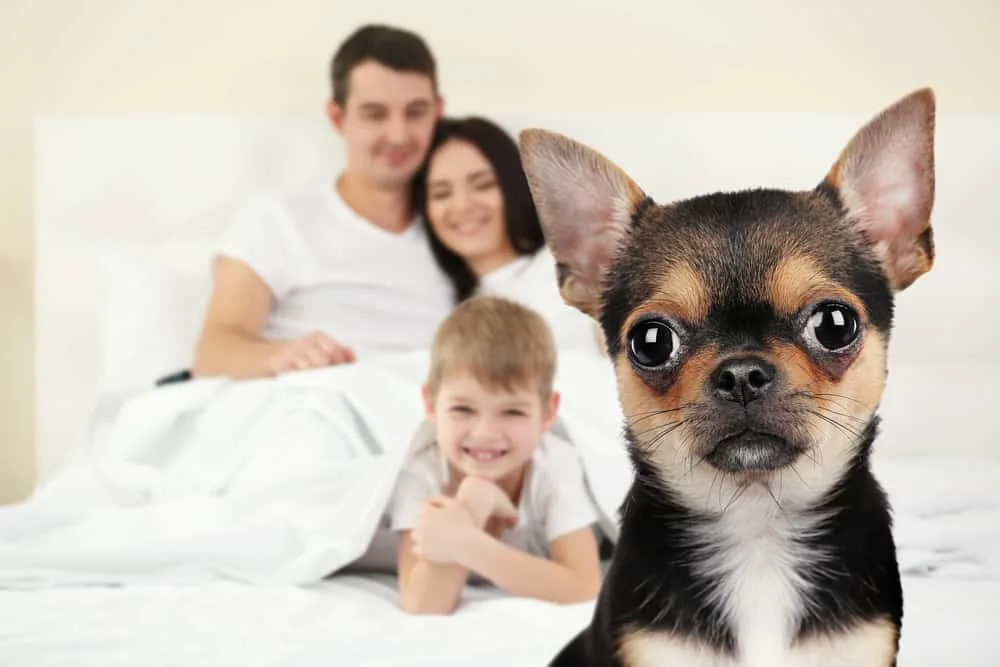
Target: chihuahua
point(749, 334)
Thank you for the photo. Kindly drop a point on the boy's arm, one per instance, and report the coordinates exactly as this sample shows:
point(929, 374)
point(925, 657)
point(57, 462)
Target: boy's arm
point(573, 574)
point(430, 578)
point(426, 587)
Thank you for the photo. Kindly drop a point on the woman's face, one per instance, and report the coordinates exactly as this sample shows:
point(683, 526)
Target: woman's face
point(465, 206)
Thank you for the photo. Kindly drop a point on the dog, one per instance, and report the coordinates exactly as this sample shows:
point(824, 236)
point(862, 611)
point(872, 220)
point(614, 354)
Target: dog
point(749, 334)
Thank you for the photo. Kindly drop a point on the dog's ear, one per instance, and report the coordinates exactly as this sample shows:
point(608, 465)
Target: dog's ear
point(586, 205)
point(885, 179)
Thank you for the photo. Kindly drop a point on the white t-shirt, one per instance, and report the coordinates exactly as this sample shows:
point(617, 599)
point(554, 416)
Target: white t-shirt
point(554, 499)
point(531, 281)
point(332, 270)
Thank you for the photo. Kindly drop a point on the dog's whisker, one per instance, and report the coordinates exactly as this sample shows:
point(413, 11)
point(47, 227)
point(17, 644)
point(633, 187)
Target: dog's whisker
point(798, 474)
point(843, 427)
point(827, 395)
point(655, 441)
point(859, 420)
point(708, 496)
point(657, 428)
point(636, 420)
point(837, 425)
point(736, 496)
point(822, 402)
point(695, 464)
point(776, 501)
point(642, 416)
point(821, 398)
point(722, 486)
point(658, 411)
point(812, 457)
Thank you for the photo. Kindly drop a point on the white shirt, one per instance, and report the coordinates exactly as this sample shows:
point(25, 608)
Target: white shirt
point(531, 281)
point(332, 270)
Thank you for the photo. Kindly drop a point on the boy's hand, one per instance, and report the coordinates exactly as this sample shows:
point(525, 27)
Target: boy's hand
point(485, 500)
point(441, 529)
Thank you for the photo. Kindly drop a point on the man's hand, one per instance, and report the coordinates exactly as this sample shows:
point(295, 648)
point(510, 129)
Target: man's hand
point(441, 530)
point(314, 350)
point(485, 500)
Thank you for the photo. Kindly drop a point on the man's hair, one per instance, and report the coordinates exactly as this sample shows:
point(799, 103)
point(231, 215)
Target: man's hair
point(502, 344)
point(395, 48)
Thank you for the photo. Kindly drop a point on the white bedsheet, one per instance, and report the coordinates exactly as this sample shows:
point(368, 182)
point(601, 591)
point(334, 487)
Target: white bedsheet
point(354, 621)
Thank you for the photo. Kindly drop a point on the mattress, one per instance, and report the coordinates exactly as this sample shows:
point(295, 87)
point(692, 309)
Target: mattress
point(355, 620)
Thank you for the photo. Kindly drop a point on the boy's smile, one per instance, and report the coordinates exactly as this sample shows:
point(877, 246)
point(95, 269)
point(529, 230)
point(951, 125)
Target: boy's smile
point(485, 454)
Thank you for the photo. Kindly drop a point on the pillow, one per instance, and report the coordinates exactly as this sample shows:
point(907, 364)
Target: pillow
point(152, 297)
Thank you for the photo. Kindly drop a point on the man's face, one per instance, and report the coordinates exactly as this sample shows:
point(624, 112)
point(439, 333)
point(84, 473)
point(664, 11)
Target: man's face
point(387, 123)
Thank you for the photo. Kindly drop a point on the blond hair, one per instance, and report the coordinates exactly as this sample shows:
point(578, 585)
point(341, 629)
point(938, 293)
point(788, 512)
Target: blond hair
point(500, 343)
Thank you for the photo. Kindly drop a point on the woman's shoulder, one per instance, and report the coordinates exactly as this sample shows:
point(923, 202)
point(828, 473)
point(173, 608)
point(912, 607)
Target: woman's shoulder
point(533, 282)
point(525, 279)
point(543, 262)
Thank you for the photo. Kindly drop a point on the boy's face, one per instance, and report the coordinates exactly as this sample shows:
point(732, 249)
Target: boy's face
point(387, 122)
point(486, 432)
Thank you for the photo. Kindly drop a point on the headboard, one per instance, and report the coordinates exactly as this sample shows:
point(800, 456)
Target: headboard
point(116, 197)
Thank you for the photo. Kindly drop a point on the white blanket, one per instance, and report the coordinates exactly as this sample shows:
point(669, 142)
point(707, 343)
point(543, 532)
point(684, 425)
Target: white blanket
point(280, 480)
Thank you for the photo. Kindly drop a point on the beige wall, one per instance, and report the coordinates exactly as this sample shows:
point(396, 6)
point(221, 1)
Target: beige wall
point(139, 56)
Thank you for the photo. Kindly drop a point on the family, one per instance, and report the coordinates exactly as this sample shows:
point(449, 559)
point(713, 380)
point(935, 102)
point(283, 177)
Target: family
point(427, 239)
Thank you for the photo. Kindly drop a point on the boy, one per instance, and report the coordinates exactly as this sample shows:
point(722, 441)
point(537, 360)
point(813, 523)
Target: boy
point(489, 492)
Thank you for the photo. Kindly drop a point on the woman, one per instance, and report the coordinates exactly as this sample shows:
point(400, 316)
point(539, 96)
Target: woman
point(484, 229)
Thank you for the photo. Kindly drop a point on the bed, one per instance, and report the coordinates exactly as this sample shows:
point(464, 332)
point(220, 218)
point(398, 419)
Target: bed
point(127, 211)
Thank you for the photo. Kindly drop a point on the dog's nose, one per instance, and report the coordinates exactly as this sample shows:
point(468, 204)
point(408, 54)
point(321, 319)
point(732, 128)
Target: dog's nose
point(742, 379)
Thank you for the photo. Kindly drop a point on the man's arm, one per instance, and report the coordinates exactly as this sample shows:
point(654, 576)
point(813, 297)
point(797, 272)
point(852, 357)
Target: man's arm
point(573, 574)
point(230, 342)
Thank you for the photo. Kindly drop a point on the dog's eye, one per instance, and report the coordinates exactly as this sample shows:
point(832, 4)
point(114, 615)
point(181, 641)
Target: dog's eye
point(833, 325)
point(652, 343)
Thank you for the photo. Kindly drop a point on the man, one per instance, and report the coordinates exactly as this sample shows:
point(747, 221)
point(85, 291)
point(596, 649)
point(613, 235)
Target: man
point(332, 271)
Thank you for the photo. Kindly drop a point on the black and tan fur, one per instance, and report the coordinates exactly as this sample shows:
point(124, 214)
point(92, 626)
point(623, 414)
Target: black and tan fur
point(754, 533)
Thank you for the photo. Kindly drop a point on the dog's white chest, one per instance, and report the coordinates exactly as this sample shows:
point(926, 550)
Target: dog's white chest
point(757, 566)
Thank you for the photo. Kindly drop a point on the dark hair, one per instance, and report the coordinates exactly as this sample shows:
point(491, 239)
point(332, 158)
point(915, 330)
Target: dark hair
point(501, 151)
point(395, 48)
